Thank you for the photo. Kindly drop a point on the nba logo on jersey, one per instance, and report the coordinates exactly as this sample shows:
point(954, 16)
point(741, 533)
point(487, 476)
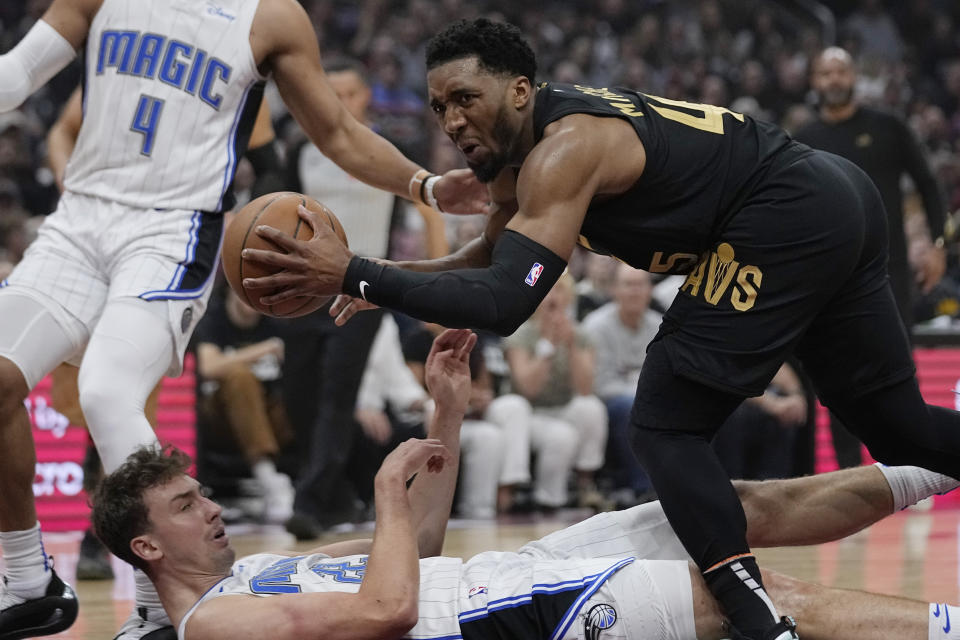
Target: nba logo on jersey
point(534, 274)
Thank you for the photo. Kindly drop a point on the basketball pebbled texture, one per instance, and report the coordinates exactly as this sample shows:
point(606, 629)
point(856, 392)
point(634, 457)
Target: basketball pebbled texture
point(277, 210)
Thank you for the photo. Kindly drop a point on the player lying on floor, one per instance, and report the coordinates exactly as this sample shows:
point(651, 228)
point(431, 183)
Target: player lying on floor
point(624, 573)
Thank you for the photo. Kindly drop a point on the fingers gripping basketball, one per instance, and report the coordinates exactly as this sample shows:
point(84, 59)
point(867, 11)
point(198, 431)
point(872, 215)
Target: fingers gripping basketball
point(277, 210)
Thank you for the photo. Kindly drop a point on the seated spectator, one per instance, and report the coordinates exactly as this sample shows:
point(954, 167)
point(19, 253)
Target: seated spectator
point(757, 440)
point(239, 396)
point(392, 406)
point(553, 412)
point(621, 331)
point(594, 289)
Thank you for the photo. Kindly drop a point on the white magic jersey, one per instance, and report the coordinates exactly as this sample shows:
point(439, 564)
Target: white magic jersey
point(452, 592)
point(171, 92)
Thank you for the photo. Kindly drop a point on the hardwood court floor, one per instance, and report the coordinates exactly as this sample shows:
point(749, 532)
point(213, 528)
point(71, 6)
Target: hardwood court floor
point(913, 554)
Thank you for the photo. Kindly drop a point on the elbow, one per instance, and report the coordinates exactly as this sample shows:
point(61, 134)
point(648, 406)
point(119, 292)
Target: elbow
point(507, 322)
point(397, 618)
point(408, 617)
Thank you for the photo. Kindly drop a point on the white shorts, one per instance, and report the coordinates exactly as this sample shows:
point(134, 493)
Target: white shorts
point(648, 598)
point(645, 600)
point(653, 596)
point(91, 251)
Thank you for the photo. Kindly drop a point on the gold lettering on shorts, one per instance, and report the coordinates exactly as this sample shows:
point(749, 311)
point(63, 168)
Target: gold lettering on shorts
point(695, 278)
point(720, 273)
point(716, 271)
point(675, 263)
point(748, 279)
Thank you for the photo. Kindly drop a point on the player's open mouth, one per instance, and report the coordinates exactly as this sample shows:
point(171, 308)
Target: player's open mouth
point(221, 534)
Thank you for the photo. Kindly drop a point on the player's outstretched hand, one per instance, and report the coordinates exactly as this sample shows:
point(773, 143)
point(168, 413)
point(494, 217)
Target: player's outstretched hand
point(459, 191)
point(447, 371)
point(410, 456)
point(313, 267)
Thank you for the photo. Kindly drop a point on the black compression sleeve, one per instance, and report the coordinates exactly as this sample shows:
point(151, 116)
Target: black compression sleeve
point(499, 297)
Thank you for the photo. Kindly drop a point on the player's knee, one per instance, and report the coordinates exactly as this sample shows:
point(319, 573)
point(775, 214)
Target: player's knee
point(99, 399)
point(13, 388)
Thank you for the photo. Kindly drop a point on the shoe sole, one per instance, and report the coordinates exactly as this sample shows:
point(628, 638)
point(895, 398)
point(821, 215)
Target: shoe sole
point(63, 614)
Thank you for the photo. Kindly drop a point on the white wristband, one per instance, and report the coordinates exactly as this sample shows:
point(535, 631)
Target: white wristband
point(430, 198)
point(544, 348)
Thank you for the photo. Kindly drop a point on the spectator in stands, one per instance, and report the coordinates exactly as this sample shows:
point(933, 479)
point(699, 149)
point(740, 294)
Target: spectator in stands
point(552, 369)
point(239, 357)
point(325, 363)
point(595, 288)
point(393, 405)
point(621, 331)
point(757, 440)
point(883, 146)
point(876, 32)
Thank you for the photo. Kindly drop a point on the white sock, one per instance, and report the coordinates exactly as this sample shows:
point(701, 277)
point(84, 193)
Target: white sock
point(147, 596)
point(28, 567)
point(944, 622)
point(910, 485)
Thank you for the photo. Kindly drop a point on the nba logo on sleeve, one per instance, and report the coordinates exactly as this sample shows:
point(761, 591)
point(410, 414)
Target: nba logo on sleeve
point(534, 274)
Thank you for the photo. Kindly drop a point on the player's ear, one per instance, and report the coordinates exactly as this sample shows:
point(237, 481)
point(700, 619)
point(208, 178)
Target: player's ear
point(521, 91)
point(144, 547)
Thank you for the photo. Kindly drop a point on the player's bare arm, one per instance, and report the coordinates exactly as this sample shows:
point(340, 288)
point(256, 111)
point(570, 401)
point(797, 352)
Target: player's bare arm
point(386, 605)
point(474, 254)
point(72, 18)
point(283, 42)
point(556, 184)
point(566, 170)
point(62, 136)
point(447, 376)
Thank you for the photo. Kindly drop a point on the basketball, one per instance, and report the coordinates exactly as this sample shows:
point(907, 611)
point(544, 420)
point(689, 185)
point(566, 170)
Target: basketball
point(277, 210)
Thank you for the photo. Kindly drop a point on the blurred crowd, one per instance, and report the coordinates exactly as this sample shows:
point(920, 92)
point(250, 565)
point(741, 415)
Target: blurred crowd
point(753, 56)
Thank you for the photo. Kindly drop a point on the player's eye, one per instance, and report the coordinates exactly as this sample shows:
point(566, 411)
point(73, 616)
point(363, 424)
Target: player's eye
point(438, 108)
point(186, 505)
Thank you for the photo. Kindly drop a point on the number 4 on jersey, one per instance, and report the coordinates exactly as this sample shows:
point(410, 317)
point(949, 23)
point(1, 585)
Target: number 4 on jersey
point(145, 121)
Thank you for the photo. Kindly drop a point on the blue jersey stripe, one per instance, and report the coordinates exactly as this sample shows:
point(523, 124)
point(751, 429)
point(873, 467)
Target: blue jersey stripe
point(192, 276)
point(571, 614)
point(522, 599)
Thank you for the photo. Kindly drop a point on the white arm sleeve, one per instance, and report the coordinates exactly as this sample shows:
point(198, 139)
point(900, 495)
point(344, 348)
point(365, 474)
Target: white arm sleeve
point(41, 54)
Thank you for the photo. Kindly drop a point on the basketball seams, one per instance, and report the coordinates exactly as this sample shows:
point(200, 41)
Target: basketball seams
point(309, 303)
point(243, 245)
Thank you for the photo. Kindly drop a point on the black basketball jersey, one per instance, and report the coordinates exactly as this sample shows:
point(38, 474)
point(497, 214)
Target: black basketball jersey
point(702, 163)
